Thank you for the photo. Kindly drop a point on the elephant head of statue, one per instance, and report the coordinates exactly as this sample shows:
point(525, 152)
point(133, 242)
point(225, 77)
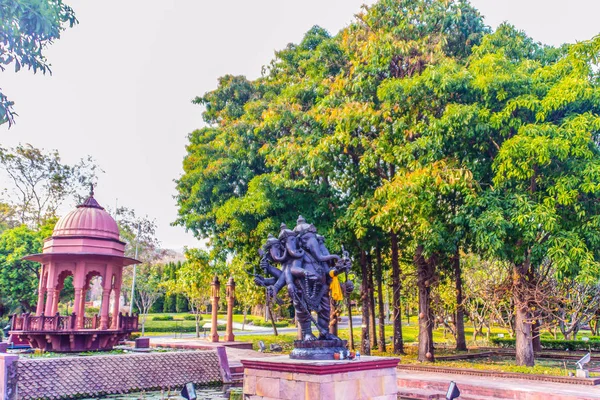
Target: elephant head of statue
point(308, 236)
point(274, 249)
point(290, 240)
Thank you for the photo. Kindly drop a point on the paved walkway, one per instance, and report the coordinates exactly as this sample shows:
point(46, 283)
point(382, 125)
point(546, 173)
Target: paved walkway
point(499, 388)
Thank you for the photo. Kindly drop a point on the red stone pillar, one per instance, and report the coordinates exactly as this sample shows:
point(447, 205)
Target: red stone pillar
point(50, 285)
point(78, 284)
point(41, 291)
point(55, 300)
point(104, 310)
point(115, 309)
point(216, 287)
point(229, 336)
point(81, 310)
point(77, 303)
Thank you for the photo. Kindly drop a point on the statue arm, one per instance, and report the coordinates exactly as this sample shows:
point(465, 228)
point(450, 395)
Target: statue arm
point(280, 283)
point(268, 268)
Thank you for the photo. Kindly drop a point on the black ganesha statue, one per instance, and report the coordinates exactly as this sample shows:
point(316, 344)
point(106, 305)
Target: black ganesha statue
point(310, 273)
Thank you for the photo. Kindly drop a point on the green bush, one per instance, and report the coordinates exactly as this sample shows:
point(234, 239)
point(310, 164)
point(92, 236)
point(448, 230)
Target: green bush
point(177, 329)
point(163, 318)
point(135, 335)
point(553, 344)
point(91, 311)
point(280, 324)
point(191, 317)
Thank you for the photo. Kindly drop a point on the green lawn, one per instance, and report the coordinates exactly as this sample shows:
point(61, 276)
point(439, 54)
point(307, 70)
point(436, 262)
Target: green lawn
point(178, 323)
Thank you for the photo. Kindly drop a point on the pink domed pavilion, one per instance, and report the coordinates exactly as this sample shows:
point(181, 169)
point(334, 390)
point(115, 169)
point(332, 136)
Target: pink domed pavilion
point(85, 243)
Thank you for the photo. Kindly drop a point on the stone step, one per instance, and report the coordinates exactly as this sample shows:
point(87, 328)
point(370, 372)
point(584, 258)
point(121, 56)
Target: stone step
point(419, 394)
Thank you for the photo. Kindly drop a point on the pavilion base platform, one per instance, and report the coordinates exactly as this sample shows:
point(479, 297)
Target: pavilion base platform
point(73, 341)
point(282, 378)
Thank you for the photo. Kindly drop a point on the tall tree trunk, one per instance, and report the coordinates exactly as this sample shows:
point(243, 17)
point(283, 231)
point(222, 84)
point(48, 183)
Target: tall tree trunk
point(396, 287)
point(379, 277)
point(425, 273)
point(459, 323)
point(536, 341)
point(523, 345)
point(365, 343)
point(372, 318)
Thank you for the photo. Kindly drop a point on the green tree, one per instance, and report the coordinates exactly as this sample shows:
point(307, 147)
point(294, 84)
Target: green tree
point(27, 28)
point(40, 182)
point(192, 280)
point(542, 202)
point(19, 278)
point(148, 289)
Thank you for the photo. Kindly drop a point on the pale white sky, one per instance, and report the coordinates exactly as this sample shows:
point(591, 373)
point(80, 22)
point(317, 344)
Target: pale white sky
point(125, 76)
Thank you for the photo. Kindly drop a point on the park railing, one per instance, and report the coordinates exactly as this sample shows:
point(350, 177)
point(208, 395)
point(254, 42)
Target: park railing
point(28, 322)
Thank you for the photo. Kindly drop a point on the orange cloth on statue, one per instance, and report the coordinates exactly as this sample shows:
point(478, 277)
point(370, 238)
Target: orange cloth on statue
point(336, 289)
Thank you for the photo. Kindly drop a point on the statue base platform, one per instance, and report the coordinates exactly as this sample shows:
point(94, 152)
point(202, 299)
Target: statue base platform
point(282, 378)
point(318, 349)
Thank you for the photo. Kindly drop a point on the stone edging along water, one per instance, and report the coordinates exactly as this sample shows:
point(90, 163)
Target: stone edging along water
point(499, 374)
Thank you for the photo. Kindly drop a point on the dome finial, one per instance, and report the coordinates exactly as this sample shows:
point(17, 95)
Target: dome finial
point(91, 189)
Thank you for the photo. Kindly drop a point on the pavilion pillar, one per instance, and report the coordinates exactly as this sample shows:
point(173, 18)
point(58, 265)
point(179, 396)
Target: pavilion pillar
point(115, 309)
point(229, 336)
point(104, 310)
point(77, 304)
point(78, 283)
point(81, 310)
point(55, 300)
point(216, 287)
point(50, 289)
point(41, 291)
point(107, 283)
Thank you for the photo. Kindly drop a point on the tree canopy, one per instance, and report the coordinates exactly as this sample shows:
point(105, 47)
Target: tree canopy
point(416, 130)
point(27, 28)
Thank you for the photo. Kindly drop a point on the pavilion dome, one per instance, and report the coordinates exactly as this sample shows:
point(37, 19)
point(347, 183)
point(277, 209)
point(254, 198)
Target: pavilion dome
point(88, 219)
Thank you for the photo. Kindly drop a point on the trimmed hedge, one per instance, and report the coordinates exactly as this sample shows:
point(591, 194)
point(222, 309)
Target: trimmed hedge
point(162, 318)
point(552, 344)
point(191, 317)
point(262, 323)
point(178, 329)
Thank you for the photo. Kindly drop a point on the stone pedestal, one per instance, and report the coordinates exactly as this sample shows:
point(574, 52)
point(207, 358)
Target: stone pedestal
point(281, 378)
point(582, 373)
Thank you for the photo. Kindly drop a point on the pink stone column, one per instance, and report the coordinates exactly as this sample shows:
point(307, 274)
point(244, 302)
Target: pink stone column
point(104, 310)
point(229, 336)
point(77, 304)
point(115, 310)
point(50, 286)
point(41, 291)
point(81, 310)
point(55, 300)
point(216, 288)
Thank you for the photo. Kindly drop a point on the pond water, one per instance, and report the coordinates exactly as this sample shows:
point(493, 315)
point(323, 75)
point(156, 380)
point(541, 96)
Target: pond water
point(204, 393)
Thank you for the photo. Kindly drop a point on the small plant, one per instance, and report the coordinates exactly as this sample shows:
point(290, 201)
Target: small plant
point(162, 318)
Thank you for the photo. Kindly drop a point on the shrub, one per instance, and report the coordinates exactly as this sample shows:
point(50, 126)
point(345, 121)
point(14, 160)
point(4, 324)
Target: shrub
point(135, 335)
point(553, 344)
point(280, 324)
point(163, 318)
point(191, 317)
point(91, 311)
point(178, 329)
